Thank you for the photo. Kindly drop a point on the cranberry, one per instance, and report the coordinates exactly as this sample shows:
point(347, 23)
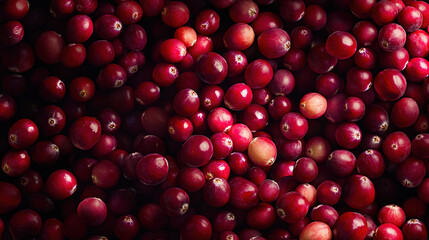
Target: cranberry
point(350, 225)
point(319, 60)
point(105, 174)
point(274, 43)
point(265, 21)
point(370, 163)
point(390, 84)
point(174, 201)
point(341, 162)
point(315, 17)
point(93, 211)
point(48, 47)
point(60, 184)
point(11, 197)
point(341, 45)
point(239, 37)
point(175, 14)
point(391, 214)
point(196, 227)
point(414, 228)
point(358, 192)
point(152, 169)
point(313, 105)
point(292, 207)
point(324, 213)
point(397, 147)
point(151, 216)
point(245, 11)
point(294, 126)
point(410, 18)
point(348, 135)
point(224, 221)
point(241, 137)
point(262, 152)
point(317, 230)
point(216, 192)
point(243, 193)
point(329, 192)
point(126, 227)
point(23, 133)
point(387, 231)
point(384, 12)
point(107, 27)
point(25, 224)
point(410, 173)
point(85, 132)
point(416, 43)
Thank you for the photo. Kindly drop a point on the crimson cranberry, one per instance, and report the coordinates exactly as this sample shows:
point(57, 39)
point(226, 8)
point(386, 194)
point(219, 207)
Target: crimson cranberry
point(329, 192)
point(85, 132)
point(358, 192)
point(105, 174)
point(258, 74)
point(191, 179)
point(60, 184)
point(390, 84)
point(48, 47)
point(301, 37)
point(292, 207)
point(107, 27)
point(175, 14)
point(313, 105)
point(292, 11)
point(18, 58)
point(319, 60)
point(174, 201)
point(222, 145)
point(414, 229)
point(25, 224)
point(12, 33)
point(196, 227)
point(305, 170)
point(341, 45)
point(152, 169)
point(126, 227)
point(388, 231)
point(324, 213)
point(216, 168)
point(179, 128)
point(416, 43)
point(241, 137)
point(224, 221)
point(239, 37)
point(350, 225)
point(410, 173)
point(315, 17)
point(151, 216)
point(93, 211)
point(419, 145)
point(341, 162)
point(23, 133)
point(370, 163)
point(244, 194)
point(384, 12)
point(245, 11)
point(396, 147)
point(268, 190)
point(274, 43)
point(79, 28)
point(216, 192)
point(196, 156)
point(100, 53)
point(129, 12)
point(410, 18)
point(11, 197)
point(294, 126)
point(391, 214)
point(15, 162)
point(319, 230)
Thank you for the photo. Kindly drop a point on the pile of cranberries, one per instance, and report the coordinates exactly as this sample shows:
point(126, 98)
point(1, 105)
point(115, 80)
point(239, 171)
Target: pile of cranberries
point(214, 119)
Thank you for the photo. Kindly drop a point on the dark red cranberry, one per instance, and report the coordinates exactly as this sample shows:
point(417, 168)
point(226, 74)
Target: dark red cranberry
point(129, 12)
point(196, 157)
point(216, 168)
point(105, 174)
point(341, 162)
point(315, 17)
point(107, 27)
point(207, 22)
point(243, 193)
point(387, 231)
point(241, 137)
point(174, 201)
point(414, 228)
point(11, 197)
point(391, 214)
point(319, 60)
point(222, 145)
point(85, 132)
point(370, 163)
point(52, 228)
point(324, 213)
point(384, 12)
point(48, 47)
point(197, 227)
point(216, 192)
point(274, 43)
point(211, 68)
point(268, 190)
point(410, 18)
point(79, 28)
point(191, 179)
point(341, 45)
point(126, 227)
point(358, 192)
point(100, 53)
point(122, 201)
point(419, 145)
point(25, 224)
point(175, 14)
point(350, 225)
point(329, 192)
point(224, 221)
point(244, 11)
point(358, 80)
point(60, 184)
point(15, 162)
point(152, 169)
point(18, 58)
point(410, 173)
point(23, 133)
point(294, 126)
point(151, 216)
point(292, 207)
point(396, 147)
point(417, 42)
point(93, 211)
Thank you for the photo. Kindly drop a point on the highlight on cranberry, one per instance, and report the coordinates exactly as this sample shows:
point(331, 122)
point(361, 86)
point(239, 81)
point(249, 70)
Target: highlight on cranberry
point(214, 119)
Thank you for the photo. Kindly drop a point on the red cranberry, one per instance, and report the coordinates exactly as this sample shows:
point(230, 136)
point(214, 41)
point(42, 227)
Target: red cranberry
point(391, 214)
point(390, 84)
point(85, 132)
point(129, 12)
point(305, 170)
point(60, 184)
point(274, 43)
point(387, 231)
point(245, 11)
point(100, 53)
point(396, 147)
point(196, 227)
point(419, 145)
point(241, 137)
point(93, 211)
point(341, 45)
point(292, 207)
point(319, 60)
point(292, 11)
point(25, 224)
point(315, 17)
point(262, 152)
point(358, 192)
point(348, 135)
point(416, 43)
point(196, 157)
point(350, 225)
point(126, 227)
point(268, 190)
point(216, 192)
point(48, 47)
point(319, 230)
point(152, 169)
point(410, 173)
point(239, 37)
point(414, 228)
point(15, 163)
point(243, 193)
point(151, 216)
point(105, 174)
point(384, 12)
point(410, 18)
point(294, 126)
point(329, 192)
point(52, 89)
point(174, 201)
point(370, 163)
point(324, 213)
point(23, 133)
point(313, 105)
point(107, 27)
point(11, 197)
point(175, 14)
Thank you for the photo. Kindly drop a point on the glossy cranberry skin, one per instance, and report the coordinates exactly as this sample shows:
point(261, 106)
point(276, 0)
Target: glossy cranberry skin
point(348, 135)
point(414, 229)
point(397, 147)
point(390, 84)
point(12, 33)
point(152, 169)
point(274, 43)
point(186, 102)
point(191, 179)
point(341, 162)
point(85, 132)
point(292, 207)
point(207, 22)
point(417, 43)
point(15, 163)
point(258, 74)
point(92, 210)
point(48, 47)
point(23, 133)
point(268, 190)
point(387, 231)
point(384, 12)
point(405, 112)
point(175, 14)
point(391, 37)
point(350, 225)
point(293, 126)
point(60, 184)
point(424, 8)
point(319, 60)
point(196, 157)
point(173, 50)
point(315, 17)
point(341, 44)
point(241, 137)
point(244, 11)
point(196, 227)
point(79, 28)
point(151, 216)
point(11, 197)
point(105, 174)
point(179, 128)
point(222, 145)
point(126, 227)
point(358, 192)
point(129, 12)
point(301, 37)
point(238, 36)
point(100, 53)
point(292, 11)
point(329, 192)
point(174, 201)
point(324, 213)
point(391, 214)
point(224, 221)
point(18, 58)
point(244, 194)
point(410, 18)
point(211, 68)
point(313, 105)
point(410, 173)
point(216, 192)
point(107, 27)
point(15, 9)
point(25, 224)
point(370, 163)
